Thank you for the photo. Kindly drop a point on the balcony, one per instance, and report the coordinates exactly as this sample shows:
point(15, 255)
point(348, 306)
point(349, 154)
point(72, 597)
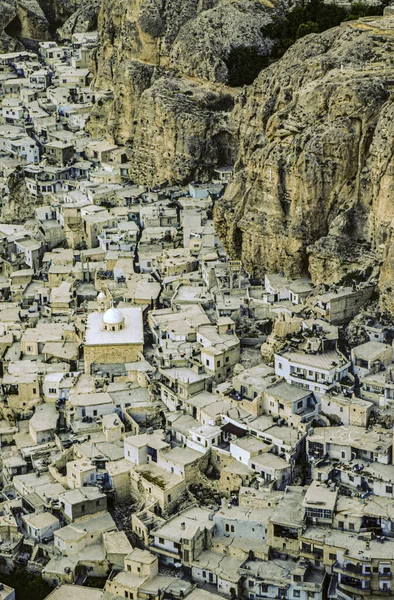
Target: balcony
point(175, 554)
point(352, 571)
point(171, 387)
point(355, 586)
point(301, 379)
point(385, 575)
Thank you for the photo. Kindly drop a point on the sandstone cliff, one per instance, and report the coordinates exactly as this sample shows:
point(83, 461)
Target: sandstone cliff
point(315, 170)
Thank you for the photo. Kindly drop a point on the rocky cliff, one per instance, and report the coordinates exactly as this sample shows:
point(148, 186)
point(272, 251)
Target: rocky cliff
point(168, 64)
point(24, 20)
point(311, 138)
point(18, 205)
point(314, 178)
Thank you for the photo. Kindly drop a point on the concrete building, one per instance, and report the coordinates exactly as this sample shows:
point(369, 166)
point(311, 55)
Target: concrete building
point(82, 501)
point(113, 337)
point(371, 357)
point(347, 410)
point(184, 537)
point(42, 526)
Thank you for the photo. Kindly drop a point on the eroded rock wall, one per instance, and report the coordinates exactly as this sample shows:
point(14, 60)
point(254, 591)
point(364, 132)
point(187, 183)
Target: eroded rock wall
point(313, 186)
point(22, 20)
point(166, 65)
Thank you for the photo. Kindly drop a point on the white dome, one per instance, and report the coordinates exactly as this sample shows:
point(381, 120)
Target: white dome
point(113, 316)
point(101, 296)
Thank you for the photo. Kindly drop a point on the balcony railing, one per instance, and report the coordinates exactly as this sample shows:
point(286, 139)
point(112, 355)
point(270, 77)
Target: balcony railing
point(354, 585)
point(352, 571)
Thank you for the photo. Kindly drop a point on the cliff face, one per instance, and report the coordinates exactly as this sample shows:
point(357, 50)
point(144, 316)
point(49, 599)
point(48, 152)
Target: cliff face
point(315, 170)
point(83, 18)
point(18, 204)
point(311, 138)
point(204, 44)
point(166, 64)
point(22, 20)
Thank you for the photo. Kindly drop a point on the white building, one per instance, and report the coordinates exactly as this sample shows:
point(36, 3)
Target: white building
point(318, 373)
point(41, 526)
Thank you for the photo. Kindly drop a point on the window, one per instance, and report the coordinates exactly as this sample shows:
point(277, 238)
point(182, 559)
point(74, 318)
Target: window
point(204, 574)
point(218, 363)
point(296, 593)
point(52, 390)
point(83, 508)
point(161, 541)
point(389, 489)
point(332, 556)
point(351, 526)
point(385, 569)
point(207, 362)
point(343, 454)
point(227, 359)
point(251, 583)
point(232, 529)
point(169, 498)
point(34, 390)
point(227, 527)
point(280, 367)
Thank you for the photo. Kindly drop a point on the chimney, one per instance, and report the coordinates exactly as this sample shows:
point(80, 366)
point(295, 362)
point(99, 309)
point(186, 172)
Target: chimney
point(183, 526)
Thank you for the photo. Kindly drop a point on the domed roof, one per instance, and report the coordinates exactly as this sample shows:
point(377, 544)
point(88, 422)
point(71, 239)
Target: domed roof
point(101, 296)
point(113, 316)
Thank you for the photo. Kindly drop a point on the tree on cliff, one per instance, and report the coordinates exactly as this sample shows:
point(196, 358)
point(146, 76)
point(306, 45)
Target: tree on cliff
point(244, 64)
point(313, 17)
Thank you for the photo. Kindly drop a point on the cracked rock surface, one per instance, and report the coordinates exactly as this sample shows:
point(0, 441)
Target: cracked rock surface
point(22, 20)
point(314, 179)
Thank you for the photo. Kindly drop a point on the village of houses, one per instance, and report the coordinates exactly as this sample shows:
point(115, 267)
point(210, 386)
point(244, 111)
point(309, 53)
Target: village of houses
point(170, 427)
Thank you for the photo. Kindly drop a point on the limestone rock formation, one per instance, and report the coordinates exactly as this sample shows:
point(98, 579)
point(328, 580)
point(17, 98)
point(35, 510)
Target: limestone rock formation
point(7, 14)
point(314, 176)
point(83, 19)
point(203, 45)
point(18, 204)
point(166, 65)
point(23, 20)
